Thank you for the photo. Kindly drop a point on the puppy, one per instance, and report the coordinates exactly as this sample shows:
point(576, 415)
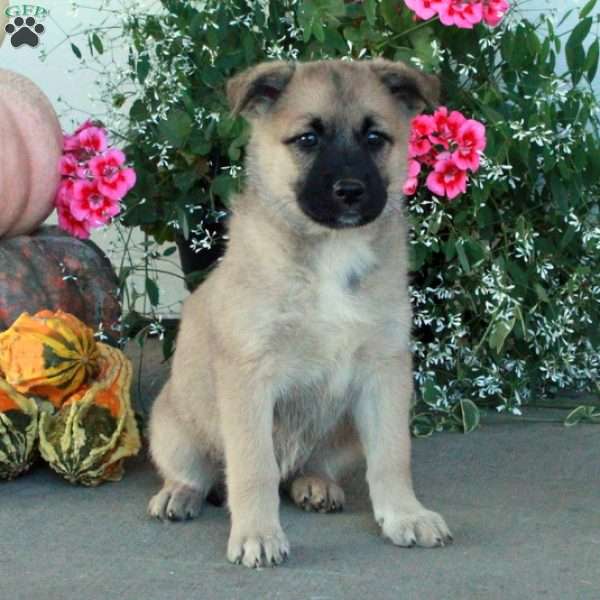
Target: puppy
point(293, 357)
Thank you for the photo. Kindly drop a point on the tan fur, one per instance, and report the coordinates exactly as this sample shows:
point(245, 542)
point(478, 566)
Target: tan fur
point(281, 369)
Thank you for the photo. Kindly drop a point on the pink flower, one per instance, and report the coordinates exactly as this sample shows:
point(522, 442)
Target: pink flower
point(446, 179)
point(68, 222)
point(470, 13)
point(89, 204)
point(429, 159)
point(64, 194)
point(68, 165)
point(424, 9)
point(423, 125)
point(414, 168)
point(446, 125)
point(92, 139)
point(462, 13)
point(418, 146)
point(411, 183)
point(410, 186)
point(113, 181)
point(471, 141)
point(494, 11)
point(70, 143)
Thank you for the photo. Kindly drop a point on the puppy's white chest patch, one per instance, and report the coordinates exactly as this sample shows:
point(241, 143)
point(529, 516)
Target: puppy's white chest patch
point(341, 266)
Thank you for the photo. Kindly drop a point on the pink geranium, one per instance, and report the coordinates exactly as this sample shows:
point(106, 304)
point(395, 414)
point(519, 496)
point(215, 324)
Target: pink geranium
point(94, 180)
point(89, 204)
point(411, 183)
point(471, 142)
point(113, 181)
point(446, 126)
point(69, 223)
point(494, 11)
point(421, 127)
point(448, 143)
point(424, 9)
point(68, 165)
point(92, 139)
point(447, 179)
point(461, 13)
point(64, 195)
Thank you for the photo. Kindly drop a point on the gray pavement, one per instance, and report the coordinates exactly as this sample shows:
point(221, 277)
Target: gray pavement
point(522, 500)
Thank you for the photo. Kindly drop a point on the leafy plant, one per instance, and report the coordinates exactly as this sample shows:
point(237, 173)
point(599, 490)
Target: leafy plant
point(506, 278)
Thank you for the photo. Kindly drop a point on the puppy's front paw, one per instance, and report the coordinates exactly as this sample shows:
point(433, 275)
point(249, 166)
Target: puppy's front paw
point(415, 527)
point(176, 502)
point(258, 549)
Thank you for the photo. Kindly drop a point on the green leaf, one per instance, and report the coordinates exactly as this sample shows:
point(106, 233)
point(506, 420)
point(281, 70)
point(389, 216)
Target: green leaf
point(422, 425)
point(587, 9)
point(222, 186)
point(118, 100)
point(583, 414)
point(500, 332)
point(184, 223)
point(76, 51)
point(591, 61)
point(421, 42)
point(462, 257)
point(430, 392)
point(176, 128)
point(170, 251)
point(198, 144)
point(370, 8)
point(143, 68)
point(169, 342)
point(138, 111)
point(184, 181)
point(318, 31)
point(574, 52)
point(97, 42)
point(470, 415)
point(541, 292)
point(390, 14)
point(575, 416)
point(152, 291)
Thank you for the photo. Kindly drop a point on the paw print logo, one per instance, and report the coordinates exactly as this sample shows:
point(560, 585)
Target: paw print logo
point(24, 31)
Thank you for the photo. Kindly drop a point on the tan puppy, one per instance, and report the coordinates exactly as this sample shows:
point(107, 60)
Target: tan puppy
point(293, 357)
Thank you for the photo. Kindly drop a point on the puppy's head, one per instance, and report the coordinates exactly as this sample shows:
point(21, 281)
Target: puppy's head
point(329, 138)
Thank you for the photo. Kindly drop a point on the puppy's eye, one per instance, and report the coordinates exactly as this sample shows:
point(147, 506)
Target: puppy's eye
point(307, 140)
point(375, 140)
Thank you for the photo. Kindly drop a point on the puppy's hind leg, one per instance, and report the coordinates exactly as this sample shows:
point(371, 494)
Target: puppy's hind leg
point(317, 488)
point(188, 472)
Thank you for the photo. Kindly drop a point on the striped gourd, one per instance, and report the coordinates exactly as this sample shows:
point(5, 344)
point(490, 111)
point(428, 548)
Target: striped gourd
point(87, 440)
point(49, 355)
point(18, 431)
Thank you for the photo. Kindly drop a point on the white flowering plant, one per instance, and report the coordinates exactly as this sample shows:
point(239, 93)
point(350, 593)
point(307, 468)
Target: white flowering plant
point(506, 275)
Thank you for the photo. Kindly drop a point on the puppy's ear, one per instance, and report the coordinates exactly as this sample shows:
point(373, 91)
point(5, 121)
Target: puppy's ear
point(254, 91)
point(414, 89)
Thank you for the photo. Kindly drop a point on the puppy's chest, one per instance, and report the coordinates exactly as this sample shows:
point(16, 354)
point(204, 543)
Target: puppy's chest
point(336, 299)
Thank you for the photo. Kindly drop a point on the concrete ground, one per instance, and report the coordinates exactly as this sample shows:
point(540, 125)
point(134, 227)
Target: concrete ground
point(522, 500)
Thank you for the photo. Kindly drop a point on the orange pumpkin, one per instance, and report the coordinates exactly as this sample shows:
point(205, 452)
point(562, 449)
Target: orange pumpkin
point(31, 144)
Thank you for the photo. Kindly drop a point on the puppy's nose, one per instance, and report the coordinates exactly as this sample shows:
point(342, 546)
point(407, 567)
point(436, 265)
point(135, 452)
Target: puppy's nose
point(349, 191)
